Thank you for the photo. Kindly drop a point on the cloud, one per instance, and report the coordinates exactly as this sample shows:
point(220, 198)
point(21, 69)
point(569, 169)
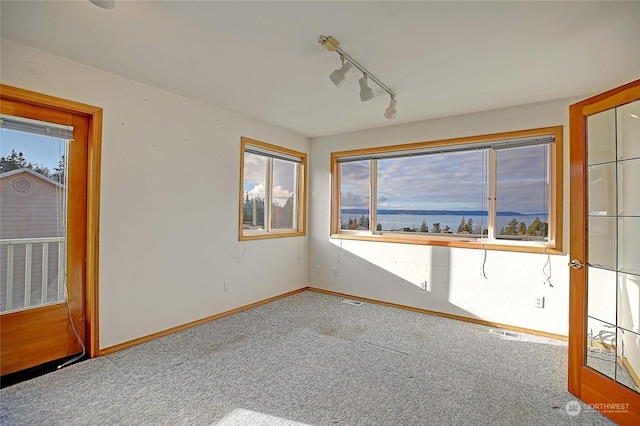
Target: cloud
point(452, 181)
point(281, 195)
point(349, 200)
point(255, 170)
point(255, 167)
point(256, 192)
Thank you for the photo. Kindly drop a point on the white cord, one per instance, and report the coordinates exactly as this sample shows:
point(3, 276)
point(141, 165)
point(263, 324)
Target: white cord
point(483, 255)
point(73, 327)
point(238, 251)
point(544, 268)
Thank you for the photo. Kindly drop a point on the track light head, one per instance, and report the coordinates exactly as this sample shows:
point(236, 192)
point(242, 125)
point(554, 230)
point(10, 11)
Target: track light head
point(391, 111)
point(365, 91)
point(105, 4)
point(338, 76)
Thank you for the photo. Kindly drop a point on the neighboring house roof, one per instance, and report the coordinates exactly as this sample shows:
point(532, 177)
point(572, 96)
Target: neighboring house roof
point(32, 172)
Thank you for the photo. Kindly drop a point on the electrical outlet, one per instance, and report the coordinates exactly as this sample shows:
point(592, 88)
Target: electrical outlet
point(227, 285)
point(540, 302)
point(335, 271)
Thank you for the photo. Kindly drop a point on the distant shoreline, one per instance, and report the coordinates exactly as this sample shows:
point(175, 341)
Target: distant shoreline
point(438, 212)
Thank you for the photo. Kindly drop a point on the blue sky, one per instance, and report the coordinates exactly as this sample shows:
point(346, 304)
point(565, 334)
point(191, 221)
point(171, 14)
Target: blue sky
point(43, 150)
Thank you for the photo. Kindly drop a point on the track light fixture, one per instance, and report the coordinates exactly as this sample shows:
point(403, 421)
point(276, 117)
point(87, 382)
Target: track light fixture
point(365, 91)
point(338, 76)
point(390, 112)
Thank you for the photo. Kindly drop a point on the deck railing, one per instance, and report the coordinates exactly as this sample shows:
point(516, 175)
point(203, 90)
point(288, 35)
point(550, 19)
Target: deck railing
point(32, 272)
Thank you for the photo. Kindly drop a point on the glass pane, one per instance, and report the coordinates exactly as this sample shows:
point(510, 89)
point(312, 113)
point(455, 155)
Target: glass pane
point(284, 202)
point(601, 293)
point(255, 178)
point(628, 358)
point(435, 193)
point(33, 225)
point(602, 194)
point(602, 242)
point(629, 304)
point(601, 137)
point(629, 131)
point(629, 244)
point(628, 187)
point(522, 193)
point(601, 346)
point(354, 195)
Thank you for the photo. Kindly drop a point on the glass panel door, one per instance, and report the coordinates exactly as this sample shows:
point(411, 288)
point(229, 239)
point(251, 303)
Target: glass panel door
point(43, 232)
point(613, 250)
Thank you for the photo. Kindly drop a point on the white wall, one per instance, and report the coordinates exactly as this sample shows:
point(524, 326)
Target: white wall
point(169, 200)
point(392, 272)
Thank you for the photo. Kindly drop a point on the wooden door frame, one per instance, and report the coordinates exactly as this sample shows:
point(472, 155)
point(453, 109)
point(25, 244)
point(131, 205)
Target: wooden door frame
point(585, 383)
point(94, 150)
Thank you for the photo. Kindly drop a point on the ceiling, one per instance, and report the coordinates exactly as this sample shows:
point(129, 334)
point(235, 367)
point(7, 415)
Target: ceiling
point(262, 59)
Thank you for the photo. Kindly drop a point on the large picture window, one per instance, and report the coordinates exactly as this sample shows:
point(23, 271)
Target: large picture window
point(497, 191)
point(272, 200)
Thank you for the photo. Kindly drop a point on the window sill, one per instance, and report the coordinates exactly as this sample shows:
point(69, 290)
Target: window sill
point(459, 242)
point(257, 235)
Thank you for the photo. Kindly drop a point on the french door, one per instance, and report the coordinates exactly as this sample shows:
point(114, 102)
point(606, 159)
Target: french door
point(48, 268)
point(604, 325)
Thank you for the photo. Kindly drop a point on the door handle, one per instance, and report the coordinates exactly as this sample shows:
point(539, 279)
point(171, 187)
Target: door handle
point(576, 264)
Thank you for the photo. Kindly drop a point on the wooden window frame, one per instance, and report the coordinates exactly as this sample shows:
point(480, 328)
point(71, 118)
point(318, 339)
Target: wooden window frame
point(554, 246)
point(300, 230)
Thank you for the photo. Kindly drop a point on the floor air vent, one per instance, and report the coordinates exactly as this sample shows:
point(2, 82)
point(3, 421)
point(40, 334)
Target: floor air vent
point(504, 334)
point(352, 302)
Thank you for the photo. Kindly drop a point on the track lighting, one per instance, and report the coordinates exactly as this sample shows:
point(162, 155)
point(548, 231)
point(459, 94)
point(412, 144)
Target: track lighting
point(365, 91)
point(390, 112)
point(338, 76)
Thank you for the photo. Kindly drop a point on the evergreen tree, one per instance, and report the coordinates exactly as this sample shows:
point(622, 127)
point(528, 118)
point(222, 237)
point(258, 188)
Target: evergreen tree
point(250, 207)
point(423, 226)
point(511, 228)
point(364, 222)
point(463, 226)
point(59, 172)
point(538, 228)
point(379, 227)
point(16, 160)
point(435, 228)
point(470, 226)
point(13, 161)
point(521, 229)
